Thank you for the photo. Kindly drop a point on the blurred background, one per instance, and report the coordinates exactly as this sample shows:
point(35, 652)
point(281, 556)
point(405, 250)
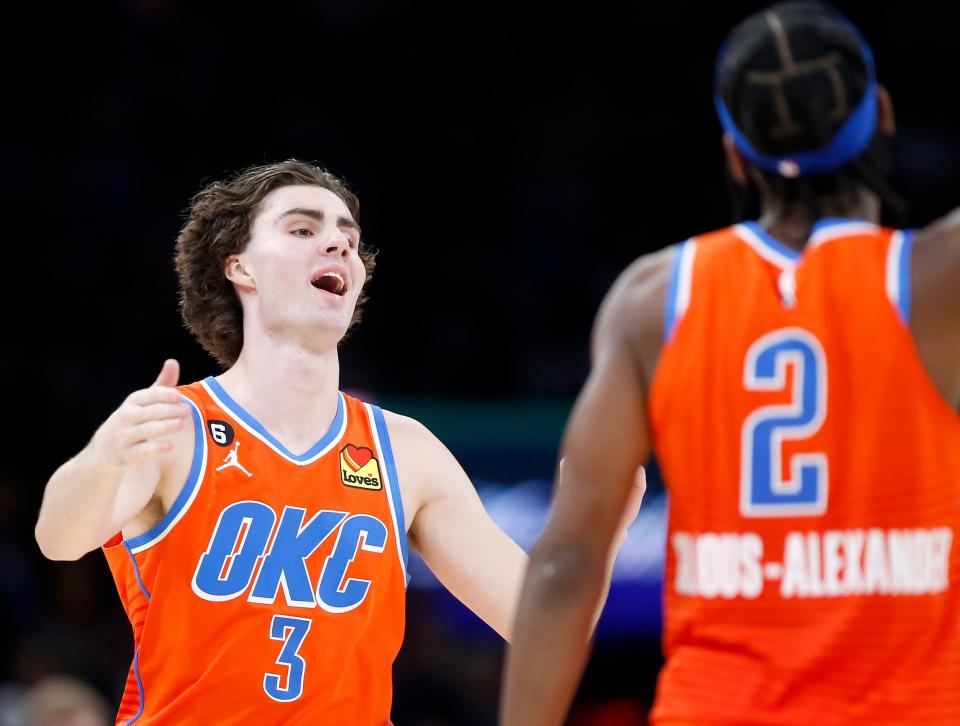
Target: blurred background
point(510, 159)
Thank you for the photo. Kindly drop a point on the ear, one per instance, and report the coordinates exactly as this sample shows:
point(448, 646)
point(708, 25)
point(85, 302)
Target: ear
point(735, 161)
point(239, 273)
point(885, 117)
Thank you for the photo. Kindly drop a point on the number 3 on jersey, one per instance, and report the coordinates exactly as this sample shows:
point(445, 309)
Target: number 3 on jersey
point(764, 492)
point(292, 631)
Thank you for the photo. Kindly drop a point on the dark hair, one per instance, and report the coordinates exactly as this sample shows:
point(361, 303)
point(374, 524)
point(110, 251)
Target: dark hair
point(218, 225)
point(790, 76)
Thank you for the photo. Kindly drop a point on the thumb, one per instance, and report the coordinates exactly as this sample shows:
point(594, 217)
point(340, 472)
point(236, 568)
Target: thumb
point(640, 478)
point(169, 374)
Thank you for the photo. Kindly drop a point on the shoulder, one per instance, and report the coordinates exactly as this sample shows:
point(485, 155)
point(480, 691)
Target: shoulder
point(935, 301)
point(418, 451)
point(936, 259)
point(632, 313)
point(647, 274)
point(639, 291)
point(949, 223)
point(406, 431)
point(426, 469)
point(942, 237)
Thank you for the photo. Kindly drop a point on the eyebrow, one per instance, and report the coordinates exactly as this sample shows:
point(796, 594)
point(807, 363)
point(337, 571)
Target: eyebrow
point(318, 215)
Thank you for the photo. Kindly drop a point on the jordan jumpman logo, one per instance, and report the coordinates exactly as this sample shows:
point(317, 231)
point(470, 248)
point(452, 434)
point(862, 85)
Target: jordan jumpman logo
point(231, 460)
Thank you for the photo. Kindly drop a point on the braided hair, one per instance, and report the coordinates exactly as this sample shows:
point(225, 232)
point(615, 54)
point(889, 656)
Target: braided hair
point(787, 79)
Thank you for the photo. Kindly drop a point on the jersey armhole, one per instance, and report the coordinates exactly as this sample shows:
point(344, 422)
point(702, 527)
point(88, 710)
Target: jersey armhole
point(187, 493)
point(678, 289)
point(381, 439)
point(898, 272)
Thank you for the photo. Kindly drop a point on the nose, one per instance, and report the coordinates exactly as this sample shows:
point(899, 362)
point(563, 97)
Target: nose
point(336, 243)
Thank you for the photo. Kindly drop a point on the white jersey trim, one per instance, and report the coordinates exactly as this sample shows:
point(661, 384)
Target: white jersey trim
point(252, 426)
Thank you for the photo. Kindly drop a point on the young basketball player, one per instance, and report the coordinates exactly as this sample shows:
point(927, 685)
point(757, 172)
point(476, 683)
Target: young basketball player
point(256, 523)
point(798, 378)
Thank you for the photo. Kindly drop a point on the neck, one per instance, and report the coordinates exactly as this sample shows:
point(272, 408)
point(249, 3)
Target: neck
point(791, 223)
point(288, 388)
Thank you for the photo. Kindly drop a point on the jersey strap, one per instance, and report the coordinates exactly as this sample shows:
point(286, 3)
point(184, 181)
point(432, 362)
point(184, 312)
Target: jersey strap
point(381, 439)
point(898, 272)
point(678, 291)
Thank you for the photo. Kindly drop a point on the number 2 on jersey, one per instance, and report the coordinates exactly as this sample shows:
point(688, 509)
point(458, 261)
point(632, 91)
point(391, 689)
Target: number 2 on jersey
point(764, 492)
point(292, 631)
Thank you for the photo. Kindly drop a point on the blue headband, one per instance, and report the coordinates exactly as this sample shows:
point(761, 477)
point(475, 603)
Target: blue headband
point(847, 144)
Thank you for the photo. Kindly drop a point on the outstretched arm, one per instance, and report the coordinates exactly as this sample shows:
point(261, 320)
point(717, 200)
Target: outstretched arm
point(606, 440)
point(470, 555)
point(99, 491)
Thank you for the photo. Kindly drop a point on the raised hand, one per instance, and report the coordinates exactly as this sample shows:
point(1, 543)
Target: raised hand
point(143, 424)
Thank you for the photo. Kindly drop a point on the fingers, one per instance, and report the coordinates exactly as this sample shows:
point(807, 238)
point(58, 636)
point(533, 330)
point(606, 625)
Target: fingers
point(146, 449)
point(149, 438)
point(145, 423)
point(154, 394)
point(138, 414)
point(635, 499)
point(169, 374)
point(151, 429)
point(640, 478)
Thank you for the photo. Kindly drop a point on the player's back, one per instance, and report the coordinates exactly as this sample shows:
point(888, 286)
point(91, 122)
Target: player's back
point(814, 478)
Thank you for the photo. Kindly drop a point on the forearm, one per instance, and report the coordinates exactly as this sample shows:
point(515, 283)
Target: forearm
point(477, 562)
point(495, 600)
point(78, 505)
point(608, 574)
point(561, 596)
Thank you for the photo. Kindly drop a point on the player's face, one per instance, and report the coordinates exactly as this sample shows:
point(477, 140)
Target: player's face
point(304, 270)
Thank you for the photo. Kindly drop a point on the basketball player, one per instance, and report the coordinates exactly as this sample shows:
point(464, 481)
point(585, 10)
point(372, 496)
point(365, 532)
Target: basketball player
point(256, 522)
point(799, 380)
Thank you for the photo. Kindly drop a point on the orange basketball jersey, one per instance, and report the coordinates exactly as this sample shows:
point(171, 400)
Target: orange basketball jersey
point(273, 590)
point(814, 479)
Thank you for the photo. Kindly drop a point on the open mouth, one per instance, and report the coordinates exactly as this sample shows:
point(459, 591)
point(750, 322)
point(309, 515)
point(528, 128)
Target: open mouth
point(331, 282)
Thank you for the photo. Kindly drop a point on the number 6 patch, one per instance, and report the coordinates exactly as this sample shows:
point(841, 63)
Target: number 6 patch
point(221, 432)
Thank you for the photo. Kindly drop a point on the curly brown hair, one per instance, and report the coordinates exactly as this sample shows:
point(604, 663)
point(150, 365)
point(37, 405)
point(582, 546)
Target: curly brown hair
point(219, 223)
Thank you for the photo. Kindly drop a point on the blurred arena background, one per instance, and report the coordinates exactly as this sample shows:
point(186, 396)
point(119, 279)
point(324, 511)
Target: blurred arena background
point(510, 160)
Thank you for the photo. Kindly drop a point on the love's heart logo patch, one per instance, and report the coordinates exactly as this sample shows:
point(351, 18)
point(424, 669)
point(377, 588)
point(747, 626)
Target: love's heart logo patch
point(359, 468)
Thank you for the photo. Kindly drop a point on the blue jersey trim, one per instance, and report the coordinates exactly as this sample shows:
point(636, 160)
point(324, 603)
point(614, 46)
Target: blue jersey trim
point(193, 481)
point(670, 306)
point(772, 242)
point(678, 289)
point(136, 673)
point(903, 265)
point(332, 433)
point(387, 450)
point(827, 222)
point(136, 571)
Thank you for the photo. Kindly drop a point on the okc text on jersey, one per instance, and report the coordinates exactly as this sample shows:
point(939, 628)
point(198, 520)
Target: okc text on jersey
point(240, 541)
